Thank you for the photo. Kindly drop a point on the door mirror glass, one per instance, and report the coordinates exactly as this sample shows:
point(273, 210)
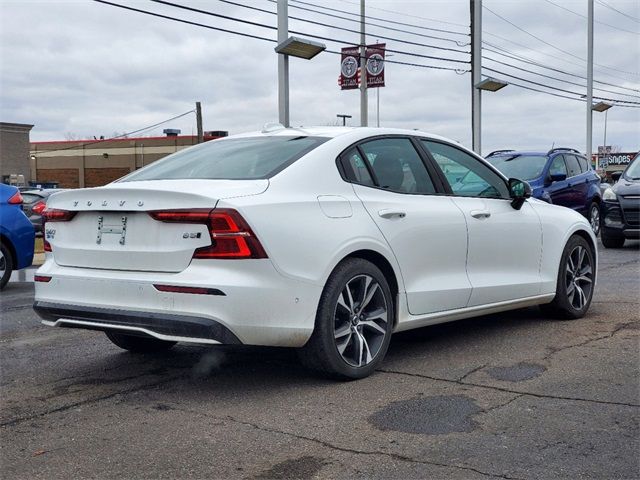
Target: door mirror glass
point(519, 191)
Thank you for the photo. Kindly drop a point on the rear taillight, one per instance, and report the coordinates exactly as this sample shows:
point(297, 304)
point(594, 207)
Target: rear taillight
point(16, 199)
point(54, 215)
point(231, 236)
point(39, 207)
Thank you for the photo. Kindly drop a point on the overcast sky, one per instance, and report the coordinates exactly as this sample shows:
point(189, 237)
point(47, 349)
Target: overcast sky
point(82, 68)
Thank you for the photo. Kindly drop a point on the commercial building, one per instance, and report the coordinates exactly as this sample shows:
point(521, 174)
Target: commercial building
point(91, 163)
point(14, 153)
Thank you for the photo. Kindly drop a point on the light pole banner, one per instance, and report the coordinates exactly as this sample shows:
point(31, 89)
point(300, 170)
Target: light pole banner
point(349, 68)
point(375, 65)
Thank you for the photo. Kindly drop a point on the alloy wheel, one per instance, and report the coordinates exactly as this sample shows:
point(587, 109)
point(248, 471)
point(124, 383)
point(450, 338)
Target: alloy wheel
point(594, 219)
point(3, 264)
point(360, 320)
point(579, 277)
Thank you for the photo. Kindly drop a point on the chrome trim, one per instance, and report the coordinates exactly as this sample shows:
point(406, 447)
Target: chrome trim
point(109, 326)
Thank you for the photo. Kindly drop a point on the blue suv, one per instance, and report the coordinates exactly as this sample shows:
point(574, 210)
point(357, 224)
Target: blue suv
point(16, 234)
point(562, 176)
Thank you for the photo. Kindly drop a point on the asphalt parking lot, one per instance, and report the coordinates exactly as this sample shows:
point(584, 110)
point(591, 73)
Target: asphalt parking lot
point(507, 396)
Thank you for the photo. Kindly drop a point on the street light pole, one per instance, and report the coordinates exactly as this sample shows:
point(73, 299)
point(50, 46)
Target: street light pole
point(364, 101)
point(476, 75)
point(283, 65)
point(589, 79)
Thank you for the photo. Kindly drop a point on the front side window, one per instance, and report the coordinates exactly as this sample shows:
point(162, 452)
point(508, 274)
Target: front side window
point(466, 175)
point(233, 159)
point(558, 166)
point(397, 166)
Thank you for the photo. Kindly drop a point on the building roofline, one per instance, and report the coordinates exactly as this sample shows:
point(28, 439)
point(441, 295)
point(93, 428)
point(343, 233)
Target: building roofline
point(108, 140)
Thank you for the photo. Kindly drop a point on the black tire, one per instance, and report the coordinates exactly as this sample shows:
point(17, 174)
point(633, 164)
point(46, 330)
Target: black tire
point(138, 344)
point(348, 324)
point(594, 217)
point(574, 289)
point(610, 241)
point(6, 265)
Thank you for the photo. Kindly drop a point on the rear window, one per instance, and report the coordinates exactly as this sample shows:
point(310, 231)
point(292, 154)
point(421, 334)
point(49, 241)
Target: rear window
point(30, 197)
point(233, 159)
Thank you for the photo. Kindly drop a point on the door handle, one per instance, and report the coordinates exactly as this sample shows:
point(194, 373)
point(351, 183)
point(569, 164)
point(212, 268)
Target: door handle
point(390, 213)
point(480, 214)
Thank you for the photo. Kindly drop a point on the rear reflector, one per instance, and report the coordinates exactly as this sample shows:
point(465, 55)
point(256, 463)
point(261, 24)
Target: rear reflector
point(39, 207)
point(231, 236)
point(46, 245)
point(15, 199)
point(193, 290)
point(41, 278)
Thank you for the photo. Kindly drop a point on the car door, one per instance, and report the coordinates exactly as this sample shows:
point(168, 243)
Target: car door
point(505, 244)
point(427, 232)
point(578, 186)
point(559, 191)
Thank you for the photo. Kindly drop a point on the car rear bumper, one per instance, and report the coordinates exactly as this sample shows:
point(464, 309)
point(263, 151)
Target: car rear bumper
point(246, 301)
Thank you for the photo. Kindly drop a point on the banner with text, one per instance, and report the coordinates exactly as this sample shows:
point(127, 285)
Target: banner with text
point(349, 68)
point(375, 65)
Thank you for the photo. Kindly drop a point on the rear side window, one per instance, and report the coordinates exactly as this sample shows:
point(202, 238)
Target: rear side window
point(397, 166)
point(584, 166)
point(233, 159)
point(573, 167)
point(355, 168)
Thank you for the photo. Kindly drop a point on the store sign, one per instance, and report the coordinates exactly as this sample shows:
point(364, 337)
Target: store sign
point(620, 158)
point(375, 65)
point(349, 68)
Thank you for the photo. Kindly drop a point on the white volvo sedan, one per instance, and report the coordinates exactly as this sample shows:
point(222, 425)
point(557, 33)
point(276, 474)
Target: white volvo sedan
point(327, 239)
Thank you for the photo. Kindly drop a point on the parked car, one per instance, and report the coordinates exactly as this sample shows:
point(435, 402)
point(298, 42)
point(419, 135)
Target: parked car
point(35, 201)
point(327, 239)
point(561, 176)
point(16, 234)
point(621, 207)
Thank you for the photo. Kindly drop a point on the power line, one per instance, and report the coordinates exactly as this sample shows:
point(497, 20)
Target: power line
point(124, 135)
point(596, 21)
point(167, 17)
point(307, 21)
point(291, 17)
point(407, 15)
point(617, 101)
point(521, 58)
point(555, 78)
point(550, 44)
point(386, 20)
point(600, 2)
point(320, 37)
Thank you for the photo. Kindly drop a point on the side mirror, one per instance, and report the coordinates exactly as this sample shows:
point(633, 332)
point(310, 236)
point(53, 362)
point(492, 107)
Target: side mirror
point(558, 177)
point(615, 176)
point(519, 192)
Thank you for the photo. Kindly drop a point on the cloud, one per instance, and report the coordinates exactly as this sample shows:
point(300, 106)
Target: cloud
point(91, 69)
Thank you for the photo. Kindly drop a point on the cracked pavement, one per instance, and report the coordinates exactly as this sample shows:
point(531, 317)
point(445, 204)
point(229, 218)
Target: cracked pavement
point(510, 396)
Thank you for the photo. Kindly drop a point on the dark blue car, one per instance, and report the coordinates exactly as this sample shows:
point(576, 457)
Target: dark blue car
point(561, 176)
point(16, 234)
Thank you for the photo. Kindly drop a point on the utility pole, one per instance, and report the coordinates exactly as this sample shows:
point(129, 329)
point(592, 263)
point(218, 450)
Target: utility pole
point(476, 75)
point(283, 65)
point(589, 79)
point(199, 122)
point(364, 102)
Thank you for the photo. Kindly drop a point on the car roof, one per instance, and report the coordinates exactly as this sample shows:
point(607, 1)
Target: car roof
point(334, 132)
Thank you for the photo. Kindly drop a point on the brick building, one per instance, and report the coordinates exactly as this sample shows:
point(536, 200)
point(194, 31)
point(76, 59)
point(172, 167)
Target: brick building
point(14, 151)
point(91, 163)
